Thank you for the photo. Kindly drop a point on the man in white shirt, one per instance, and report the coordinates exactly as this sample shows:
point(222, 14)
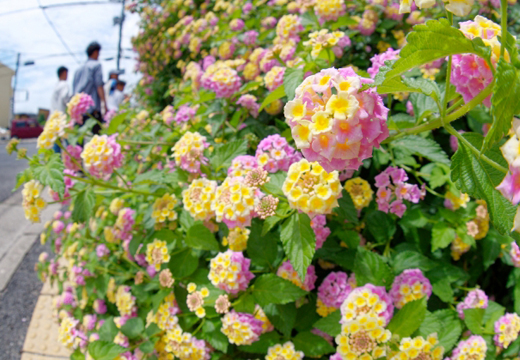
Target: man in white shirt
point(61, 93)
point(117, 96)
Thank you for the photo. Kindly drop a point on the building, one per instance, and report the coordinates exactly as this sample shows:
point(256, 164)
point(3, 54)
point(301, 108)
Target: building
point(6, 92)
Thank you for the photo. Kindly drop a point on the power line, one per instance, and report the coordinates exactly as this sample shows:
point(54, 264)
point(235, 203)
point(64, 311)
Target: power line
point(57, 32)
point(44, 7)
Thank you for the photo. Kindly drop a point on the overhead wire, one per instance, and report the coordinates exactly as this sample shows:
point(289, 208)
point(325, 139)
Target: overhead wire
point(49, 21)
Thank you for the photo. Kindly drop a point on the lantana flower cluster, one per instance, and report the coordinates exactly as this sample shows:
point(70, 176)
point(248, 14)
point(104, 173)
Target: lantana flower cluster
point(241, 328)
point(337, 129)
point(310, 189)
point(54, 129)
point(197, 198)
point(188, 152)
point(102, 156)
point(333, 291)
point(410, 285)
point(221, 79)
point(274, 153)
point(393, 189)
point(33, 202)
point(78, 106)
point(229, 271)
point(234, 202)
point(287, 272)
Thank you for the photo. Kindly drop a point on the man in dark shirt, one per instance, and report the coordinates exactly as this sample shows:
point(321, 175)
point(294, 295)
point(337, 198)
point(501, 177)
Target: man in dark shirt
point(88, 79)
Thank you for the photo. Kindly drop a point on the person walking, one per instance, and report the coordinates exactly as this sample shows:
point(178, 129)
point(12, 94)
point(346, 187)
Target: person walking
point(88, 79)
point(61, 93)
point(117, 97)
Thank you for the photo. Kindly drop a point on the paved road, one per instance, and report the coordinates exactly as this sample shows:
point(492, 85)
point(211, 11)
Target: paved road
point(9, 166)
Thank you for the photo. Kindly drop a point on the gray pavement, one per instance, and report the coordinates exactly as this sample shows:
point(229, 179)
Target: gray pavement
point(17, 303)
point(9, 166)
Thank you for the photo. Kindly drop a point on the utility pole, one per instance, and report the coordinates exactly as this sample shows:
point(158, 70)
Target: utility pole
point(121, 21)
point(15, 83)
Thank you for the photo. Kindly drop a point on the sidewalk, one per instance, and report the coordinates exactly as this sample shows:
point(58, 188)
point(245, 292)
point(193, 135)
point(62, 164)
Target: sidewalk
point(19, 286)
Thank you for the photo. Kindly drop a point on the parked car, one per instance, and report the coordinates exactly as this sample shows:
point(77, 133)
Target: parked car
point(25, 127)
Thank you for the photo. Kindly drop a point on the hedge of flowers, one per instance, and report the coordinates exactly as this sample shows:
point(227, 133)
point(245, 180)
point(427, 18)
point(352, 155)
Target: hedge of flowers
point(300, 179)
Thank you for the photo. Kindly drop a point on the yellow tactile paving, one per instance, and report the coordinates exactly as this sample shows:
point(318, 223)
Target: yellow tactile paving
point(42, 336)
point(29, 356)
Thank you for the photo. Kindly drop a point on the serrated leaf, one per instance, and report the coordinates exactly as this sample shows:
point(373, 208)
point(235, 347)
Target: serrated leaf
point(473, 319)
point(269, 223)
point(425, 147)
point(292, 78)
point(225, 153)
point(102, 350)
point(380, 226)
point(312, 345)
point(430, 41)
point(370, 268)
point(346, 209)
point(133, 327)
point(443, 290)
point(330, 324)
point(273, 96)
point(429, 325)
point(108, 330)
point(183, 263)
point(200, 237)
point(412, 260)
point(23, 177)
point(262, 250)
point(115, 122)
point(478, 179)
point(281, 316)
point(212, 333)
point(270, 288)
point(299, 242)
point(504, 102)
point(147, 347)
point(83, 206)
point(408, 319)
point(442, 236)
point(51, 174)
point(451, 328)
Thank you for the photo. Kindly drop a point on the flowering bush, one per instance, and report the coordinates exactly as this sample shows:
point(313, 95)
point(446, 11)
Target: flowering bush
point(298, 179)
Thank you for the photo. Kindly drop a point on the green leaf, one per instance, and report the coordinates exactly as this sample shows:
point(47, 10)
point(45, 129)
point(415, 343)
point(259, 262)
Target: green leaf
point(23, 177)
point(246, 304)
point(158, 298)
point(51, 174)
point(473, 319)
point(269, 223)
point(270, 288)
point(102, 350)
point(504, 102)
point(77, 355)
point(261, 345)
point(423, 106)
point(370, 268)
point(478, 179)
point(424, 86)
point(493, 312)
point(262, 250)
point(330, 324)
point(312, 345)
point(225, 153)
point(408, 319)
point(152, 330)
point(292, 78)
point(147, 347)
point(299, 242)
point(412, 260)
point(273, 96)
point(425, 147)
point(274, 186)
point(346, 209)
point(165, 235)
point(342, 22)
point(212, 333)
point(282, 316)
point(200, 237)
point(115, 122)
point(451, 328)
point(83, 206)
point(433, 40)
point(108, 331)
point(442, 236)
point(380, 226)
point(150, 177)
point(183, 263)
point(133, 327)
point(430, 325)
point(443, 290)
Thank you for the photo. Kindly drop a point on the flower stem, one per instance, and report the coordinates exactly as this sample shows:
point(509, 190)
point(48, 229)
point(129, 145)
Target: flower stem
point(108, 186)
point(474, 150)
point(503, 24)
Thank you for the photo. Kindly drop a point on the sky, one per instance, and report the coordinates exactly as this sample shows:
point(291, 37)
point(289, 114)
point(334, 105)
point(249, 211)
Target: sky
point(25, 30)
